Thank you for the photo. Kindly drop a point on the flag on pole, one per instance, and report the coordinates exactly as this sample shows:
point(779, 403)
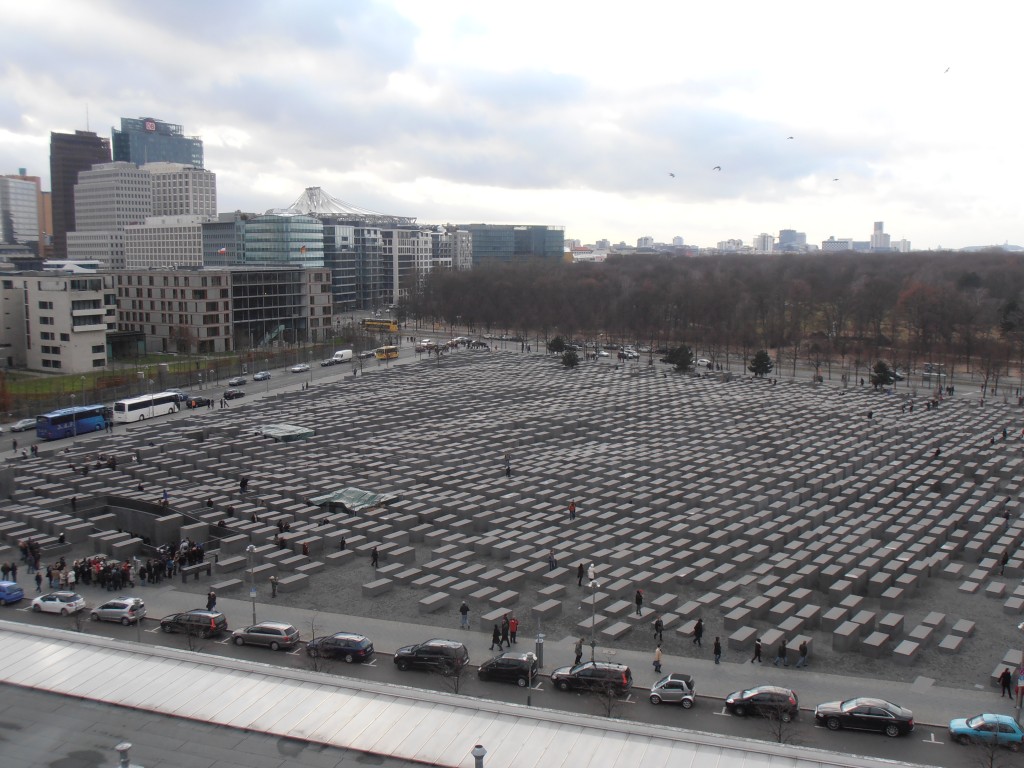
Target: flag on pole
point(222, 251)
point(302, 249)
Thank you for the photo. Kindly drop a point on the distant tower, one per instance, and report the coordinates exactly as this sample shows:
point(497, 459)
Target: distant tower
point(70, 153)
point(879, 240)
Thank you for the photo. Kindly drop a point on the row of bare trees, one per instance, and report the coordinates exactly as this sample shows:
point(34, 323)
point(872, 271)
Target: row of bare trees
point(962, 309)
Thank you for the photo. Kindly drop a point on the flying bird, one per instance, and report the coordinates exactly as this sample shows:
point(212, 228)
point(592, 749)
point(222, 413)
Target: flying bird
point(717, 168)
point(789, 137)
point(947, 70)
point(671, 174)
point(835, 179)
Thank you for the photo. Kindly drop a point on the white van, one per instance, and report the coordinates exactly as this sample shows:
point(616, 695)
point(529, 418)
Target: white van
point(343, 356)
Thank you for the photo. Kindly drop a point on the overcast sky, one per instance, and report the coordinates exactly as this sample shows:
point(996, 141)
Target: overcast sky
point(558, 112)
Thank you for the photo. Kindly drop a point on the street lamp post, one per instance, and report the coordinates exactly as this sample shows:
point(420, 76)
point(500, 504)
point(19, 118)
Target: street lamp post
point(591, 577)
point(252, 580)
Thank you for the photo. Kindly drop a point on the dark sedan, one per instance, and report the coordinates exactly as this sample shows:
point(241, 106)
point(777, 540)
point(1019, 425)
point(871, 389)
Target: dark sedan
point(765, 700)
point(510, 667)
point(865, 715)
point(234, 394)
point(347, 646)
point(197, 401)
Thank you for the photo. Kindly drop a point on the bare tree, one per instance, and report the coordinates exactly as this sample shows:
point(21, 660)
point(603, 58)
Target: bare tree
point(779, 722)
point(450, 675)
point(608, 697)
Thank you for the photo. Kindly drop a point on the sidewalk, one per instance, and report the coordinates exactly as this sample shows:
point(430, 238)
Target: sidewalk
point(931, 704)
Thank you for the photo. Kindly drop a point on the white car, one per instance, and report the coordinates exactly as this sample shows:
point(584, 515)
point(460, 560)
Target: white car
point(702, 361)
point(300, 368)
point(602, 353)
point(63, 603)
point(24, 425)
point(261, 376)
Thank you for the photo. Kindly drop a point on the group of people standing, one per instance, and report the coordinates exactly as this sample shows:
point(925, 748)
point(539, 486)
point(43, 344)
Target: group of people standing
point(505, 633)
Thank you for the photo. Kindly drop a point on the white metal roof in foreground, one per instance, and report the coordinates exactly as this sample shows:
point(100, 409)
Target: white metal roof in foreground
point(405, 723)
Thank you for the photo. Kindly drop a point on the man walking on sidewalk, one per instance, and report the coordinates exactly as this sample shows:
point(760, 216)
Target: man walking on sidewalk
point(464, 611)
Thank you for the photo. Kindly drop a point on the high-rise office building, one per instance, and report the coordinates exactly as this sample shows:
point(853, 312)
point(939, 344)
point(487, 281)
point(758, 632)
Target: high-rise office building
point(20, 220)
point(148, 140)
point(880, 241)
point(108, 198)
point(284, 240)
point(182, 190)
point(515, 242)
point(70, 153)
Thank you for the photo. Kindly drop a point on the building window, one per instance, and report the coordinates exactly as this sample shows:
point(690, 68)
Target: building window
point(98, 349)
point(99, 363)
point(65, 337)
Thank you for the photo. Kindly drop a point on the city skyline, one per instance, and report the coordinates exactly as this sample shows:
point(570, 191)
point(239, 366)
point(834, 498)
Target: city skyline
point(611, 126)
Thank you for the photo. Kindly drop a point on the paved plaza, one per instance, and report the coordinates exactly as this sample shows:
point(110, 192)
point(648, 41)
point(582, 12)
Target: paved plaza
point(841, 518)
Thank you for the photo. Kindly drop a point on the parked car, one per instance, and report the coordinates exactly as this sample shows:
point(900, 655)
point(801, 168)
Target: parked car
point(764, 700)
point(328, 361)
point(603, 353)
point(675, 688)
point(197, 621)
point(366, 354)
point(436, 655)
point(10, 592)
point(985, 729)
point(273, 634)
point(234, 394)
point(347, 646)
point(197, 401)
point(512, 667)
point(261, 376)
point(23, 425)
point(59, 602)
point(864, 714)
point(593, 676)
point(237, 381)
point(702, 362)
point(299, 368)
point(126, 610)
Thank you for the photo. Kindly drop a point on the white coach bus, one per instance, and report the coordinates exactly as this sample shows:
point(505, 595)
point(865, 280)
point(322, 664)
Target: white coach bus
point(145, 407)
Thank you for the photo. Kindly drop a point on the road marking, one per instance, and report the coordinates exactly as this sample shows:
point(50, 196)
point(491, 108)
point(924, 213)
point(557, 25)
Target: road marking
point(368, 663)
point(154, 630)
point(723, 713)
point(931, 739)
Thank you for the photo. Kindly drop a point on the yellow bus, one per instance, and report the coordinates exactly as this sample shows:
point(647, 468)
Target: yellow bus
point(386, 326)
point(386, 353)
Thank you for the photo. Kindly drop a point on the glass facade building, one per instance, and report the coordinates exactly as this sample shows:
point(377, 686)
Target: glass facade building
point(148, 140)
point(284, 240)
point(515, 242)
point(19, 213)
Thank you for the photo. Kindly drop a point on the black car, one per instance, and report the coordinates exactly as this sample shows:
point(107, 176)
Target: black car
point(594, 676)
point(764, 700)
point(341, 645)
point(437, 655)
point(197, 401)
point(197, 621)
point(234, 394)
point(327, 362)
point(510, 667)
point(864, 714)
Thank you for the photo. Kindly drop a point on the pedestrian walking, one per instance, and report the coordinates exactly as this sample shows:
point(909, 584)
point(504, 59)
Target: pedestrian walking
point(757, 651)
point(1003, 561)
point(273, 586)
point(802, 659)
point(508, 465)
point(579, 574)
point(496, 638)
point(717, 650)
point(698, 633)
point(1004, 680)
point(552, 563)
point(659, 629)
point(505, 640)
point(374, 558)
point(513, 627)
point(211, 600)
point(572, 510)
point(639, 602)
point(780, 654)
point(464, 615)
point(579, 651)
point(657, 658)
point(39, 582)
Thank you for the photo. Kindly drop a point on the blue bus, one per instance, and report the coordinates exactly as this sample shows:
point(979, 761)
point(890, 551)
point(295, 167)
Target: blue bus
point(68, 422)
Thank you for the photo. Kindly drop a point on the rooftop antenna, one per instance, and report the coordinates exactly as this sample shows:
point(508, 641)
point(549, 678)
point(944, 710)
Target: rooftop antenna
point(87, 117)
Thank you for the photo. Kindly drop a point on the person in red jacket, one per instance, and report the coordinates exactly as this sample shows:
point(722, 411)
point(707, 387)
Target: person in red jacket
point(513, 627)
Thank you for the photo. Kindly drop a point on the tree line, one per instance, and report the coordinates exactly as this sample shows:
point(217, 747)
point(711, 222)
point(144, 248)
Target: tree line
point(963, 310)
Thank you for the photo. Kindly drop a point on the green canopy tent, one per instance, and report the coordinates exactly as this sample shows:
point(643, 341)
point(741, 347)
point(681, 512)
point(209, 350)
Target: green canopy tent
point(353, 499)
point(286, 433)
